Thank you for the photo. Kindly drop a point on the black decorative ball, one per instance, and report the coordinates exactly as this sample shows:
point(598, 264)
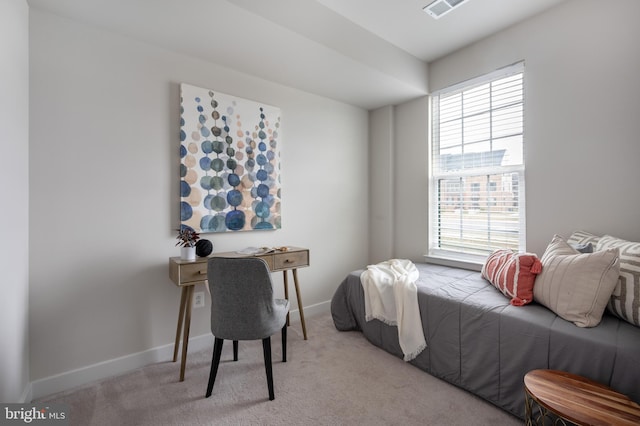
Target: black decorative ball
point(204, 248)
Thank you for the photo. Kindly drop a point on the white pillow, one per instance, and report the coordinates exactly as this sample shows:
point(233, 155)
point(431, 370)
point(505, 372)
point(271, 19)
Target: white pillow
point(576, 286)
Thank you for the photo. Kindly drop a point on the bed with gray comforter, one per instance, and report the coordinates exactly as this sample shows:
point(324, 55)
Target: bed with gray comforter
point(478, 341)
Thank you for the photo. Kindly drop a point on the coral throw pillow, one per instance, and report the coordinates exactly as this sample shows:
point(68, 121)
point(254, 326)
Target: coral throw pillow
point(513, 274)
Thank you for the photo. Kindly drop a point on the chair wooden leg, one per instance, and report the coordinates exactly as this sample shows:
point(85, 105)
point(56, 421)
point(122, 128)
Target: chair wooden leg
point(215, 361)
point(266, 348)
point(235, 350)
point(284, 343)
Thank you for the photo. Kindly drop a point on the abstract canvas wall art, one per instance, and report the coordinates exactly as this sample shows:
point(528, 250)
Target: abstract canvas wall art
point(229, 162)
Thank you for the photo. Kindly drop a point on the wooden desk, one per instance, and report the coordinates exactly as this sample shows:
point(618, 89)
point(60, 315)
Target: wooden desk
point(189, 273)
point(563, 397)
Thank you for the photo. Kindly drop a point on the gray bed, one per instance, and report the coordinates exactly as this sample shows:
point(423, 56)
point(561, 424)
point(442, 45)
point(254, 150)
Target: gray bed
point(478, 341)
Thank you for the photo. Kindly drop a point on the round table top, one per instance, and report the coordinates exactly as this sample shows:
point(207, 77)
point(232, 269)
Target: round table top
point(580, 400)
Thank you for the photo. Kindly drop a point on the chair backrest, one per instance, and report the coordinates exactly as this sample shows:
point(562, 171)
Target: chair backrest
point(242, 304)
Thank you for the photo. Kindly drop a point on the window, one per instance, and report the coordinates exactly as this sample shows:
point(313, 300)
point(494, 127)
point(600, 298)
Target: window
point(477, 167)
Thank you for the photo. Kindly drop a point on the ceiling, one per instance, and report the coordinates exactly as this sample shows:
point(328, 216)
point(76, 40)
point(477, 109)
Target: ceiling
point(368, 53)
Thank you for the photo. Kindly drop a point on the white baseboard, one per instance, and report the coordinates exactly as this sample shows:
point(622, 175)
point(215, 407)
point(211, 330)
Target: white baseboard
point(311, 311)
point(113, 367)
point(102, 370)
point(26, 394)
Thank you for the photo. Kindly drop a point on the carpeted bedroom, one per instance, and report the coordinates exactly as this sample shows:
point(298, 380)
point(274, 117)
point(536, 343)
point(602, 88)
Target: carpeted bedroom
point(438, 197)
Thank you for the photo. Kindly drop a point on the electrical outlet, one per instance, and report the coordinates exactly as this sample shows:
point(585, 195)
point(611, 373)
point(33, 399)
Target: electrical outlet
point(198, 299)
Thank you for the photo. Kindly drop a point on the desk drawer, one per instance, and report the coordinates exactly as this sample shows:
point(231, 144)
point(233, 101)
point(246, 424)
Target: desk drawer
point(291, 260)
point(193, 272)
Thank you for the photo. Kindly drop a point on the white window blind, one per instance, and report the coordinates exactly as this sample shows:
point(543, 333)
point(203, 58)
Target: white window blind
point(477, 163)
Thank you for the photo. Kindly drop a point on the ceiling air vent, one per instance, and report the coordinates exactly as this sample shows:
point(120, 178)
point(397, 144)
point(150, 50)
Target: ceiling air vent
point(439, 8)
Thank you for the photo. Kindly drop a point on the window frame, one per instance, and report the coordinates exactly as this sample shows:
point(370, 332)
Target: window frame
point(455, 258)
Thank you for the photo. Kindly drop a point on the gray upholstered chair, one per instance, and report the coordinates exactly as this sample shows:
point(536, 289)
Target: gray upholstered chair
point(243, 308)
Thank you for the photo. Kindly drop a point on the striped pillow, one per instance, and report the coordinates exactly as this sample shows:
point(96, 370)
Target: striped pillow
point(513, 274)
point(625, 300)
point(583, 238)
point(576, 286)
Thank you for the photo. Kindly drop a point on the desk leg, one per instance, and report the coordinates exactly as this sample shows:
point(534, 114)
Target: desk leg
point(187, 325)
point(286, 291)
point(183, 302)
point(300, 309)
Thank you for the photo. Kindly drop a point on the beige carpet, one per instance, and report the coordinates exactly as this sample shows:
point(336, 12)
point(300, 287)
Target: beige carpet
point(334, 378)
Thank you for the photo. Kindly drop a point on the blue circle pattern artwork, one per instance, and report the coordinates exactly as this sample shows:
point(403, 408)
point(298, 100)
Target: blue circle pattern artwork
point(229, 163)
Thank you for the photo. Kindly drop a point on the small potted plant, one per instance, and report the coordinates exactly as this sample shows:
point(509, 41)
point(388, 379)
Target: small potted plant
point(187, 238)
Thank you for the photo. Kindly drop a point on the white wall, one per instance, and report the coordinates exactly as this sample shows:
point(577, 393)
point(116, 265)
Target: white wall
point(582, 132)
point(381, 191)
point(14, 193)
point(398, 181)
point(104, 193)
point(411, 179)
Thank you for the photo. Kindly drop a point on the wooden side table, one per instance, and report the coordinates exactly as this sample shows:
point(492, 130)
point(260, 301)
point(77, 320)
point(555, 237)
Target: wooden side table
point(558, 398)
point(189, 273)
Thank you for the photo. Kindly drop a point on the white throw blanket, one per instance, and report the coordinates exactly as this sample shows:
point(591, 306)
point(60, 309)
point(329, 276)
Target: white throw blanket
point(391, 296)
